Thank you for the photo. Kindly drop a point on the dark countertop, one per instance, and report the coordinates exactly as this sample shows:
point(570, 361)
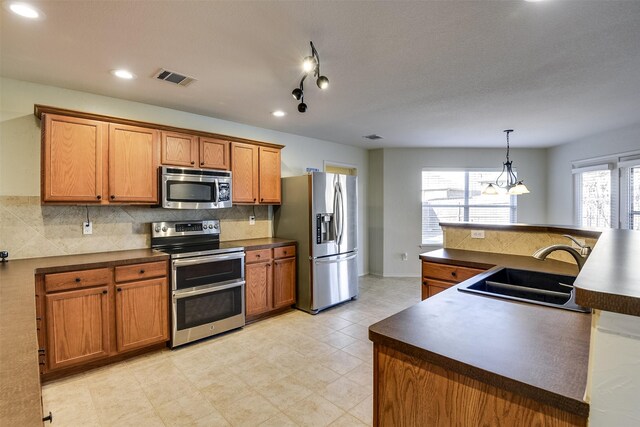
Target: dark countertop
point(261, 243)
point(487, 260)
point(536, 351)
point(535, 228)
point(610, 280)
point(19, 376)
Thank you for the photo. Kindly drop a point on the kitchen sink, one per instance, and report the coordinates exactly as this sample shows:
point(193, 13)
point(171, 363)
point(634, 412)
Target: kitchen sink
point(553, 290)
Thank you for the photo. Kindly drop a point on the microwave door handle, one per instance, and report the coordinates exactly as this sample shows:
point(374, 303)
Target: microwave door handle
point(217, 191)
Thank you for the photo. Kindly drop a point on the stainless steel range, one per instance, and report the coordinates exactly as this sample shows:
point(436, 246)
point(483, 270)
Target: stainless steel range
point(207, 279)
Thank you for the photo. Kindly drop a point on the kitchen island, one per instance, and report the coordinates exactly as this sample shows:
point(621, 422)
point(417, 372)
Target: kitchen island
point(461, 359)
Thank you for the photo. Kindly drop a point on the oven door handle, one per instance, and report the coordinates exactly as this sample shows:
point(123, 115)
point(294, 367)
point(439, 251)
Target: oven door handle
point(202, 260)
point(178, 295)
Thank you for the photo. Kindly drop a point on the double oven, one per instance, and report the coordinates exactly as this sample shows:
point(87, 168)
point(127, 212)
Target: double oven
point(207, 279)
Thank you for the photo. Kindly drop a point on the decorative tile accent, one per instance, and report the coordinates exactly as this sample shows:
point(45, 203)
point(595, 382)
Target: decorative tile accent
point(30, 230)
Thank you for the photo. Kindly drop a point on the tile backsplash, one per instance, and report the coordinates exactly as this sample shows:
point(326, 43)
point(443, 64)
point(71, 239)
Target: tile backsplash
point(30, 230)
point(509, 242)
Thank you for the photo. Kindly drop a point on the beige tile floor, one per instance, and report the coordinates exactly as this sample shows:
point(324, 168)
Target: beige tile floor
point(291, 370)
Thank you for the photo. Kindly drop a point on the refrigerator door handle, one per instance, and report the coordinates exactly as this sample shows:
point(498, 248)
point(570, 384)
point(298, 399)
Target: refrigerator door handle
point(332, 261)
point(335, 212)
point(341, 213)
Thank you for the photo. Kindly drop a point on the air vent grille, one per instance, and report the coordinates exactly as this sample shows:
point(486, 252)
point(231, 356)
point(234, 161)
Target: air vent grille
point(173, 77)
point(372, 137)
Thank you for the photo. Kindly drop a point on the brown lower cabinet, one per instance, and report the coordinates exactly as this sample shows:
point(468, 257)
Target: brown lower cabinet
point(92, 315)
point(439, 277)
point(270, 276)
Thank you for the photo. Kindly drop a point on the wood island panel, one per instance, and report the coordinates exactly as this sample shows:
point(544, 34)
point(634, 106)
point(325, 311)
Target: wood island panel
point(409, 391)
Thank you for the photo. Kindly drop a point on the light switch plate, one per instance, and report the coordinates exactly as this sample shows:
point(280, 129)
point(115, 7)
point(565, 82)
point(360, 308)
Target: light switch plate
point(87, 227)
point(477, 234)
point(252, 220)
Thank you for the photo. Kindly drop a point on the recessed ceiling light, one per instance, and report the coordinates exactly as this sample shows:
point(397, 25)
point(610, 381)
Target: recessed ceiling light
point(123, 74)
point(25, 10)
point(279, 113)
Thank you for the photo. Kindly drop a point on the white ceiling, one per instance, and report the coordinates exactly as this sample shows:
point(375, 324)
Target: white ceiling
point(427, 73)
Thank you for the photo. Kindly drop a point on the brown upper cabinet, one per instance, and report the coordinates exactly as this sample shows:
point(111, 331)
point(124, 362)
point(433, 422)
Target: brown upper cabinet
point(183, 149)
point(74, 155)
point(89, 161)
point(256, 174)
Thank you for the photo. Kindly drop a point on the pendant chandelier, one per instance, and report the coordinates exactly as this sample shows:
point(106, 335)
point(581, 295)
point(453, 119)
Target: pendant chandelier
point(511, 184)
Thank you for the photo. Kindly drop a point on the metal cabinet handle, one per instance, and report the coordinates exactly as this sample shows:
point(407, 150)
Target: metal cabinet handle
point(48, 418)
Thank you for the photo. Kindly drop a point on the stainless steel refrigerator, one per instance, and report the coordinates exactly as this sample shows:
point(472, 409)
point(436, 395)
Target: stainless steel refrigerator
point(320, 211)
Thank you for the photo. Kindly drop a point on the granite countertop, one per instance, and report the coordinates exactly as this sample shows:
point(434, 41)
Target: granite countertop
point(19, 375)
point(536, 351)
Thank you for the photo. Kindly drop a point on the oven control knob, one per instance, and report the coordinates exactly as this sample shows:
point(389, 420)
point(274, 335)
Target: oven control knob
point(216, 226)
point(157, 228)
point(210, 226)
point(164, 228)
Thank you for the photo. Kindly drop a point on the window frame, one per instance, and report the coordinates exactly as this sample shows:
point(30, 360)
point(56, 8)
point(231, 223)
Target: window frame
point(513, 199)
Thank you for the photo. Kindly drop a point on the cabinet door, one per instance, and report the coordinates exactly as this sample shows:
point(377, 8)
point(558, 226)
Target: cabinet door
point(134, 156)
point(244, 165)
point(214, 153)
point(284, 282)
point(258, 288)
point(77, 326)
point(179, 149)
point(141, 314)
point(269, 175)
point(73, 155)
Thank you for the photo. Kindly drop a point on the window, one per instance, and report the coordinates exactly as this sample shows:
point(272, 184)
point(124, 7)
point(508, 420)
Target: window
point(454, 196)
point(594, 209)
point(607, 192)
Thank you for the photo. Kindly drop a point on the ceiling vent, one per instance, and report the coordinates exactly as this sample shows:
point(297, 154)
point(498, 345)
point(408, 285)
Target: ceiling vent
point(172, 77)
point(372, 137)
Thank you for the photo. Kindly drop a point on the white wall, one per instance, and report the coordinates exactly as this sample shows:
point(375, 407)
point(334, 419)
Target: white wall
point(401, 215)
point(20, 139)
point(560, 192)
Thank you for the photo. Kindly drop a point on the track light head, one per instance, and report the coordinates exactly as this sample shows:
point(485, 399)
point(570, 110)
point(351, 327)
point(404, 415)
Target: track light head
point(297, 93)
point(322, 82)
point(302, 107)
point(309, 64)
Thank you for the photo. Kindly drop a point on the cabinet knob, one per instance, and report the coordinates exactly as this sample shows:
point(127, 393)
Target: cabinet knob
point(113, 197)
point(268, 265)
point(262, 199)
point(78, 280)
point(257, 255)
point(119, 289)
point(201, 163)
point(141, 271)
point(50, 416)
point(254, 199)
point(105, 292)
point(192, 162)
point(98, 197)
point(453, 273)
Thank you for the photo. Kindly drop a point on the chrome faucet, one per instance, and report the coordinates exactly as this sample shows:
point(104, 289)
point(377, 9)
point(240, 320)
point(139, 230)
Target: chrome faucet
point(580, 256)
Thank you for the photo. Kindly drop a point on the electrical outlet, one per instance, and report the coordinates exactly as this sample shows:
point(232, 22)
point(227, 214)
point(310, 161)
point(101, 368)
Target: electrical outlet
point(477, 234)
point(87, 227)
point(404, 256)
point(252, 220)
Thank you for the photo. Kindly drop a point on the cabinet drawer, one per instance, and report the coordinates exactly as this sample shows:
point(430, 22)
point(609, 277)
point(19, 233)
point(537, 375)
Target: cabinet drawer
point(77, 279)
point(452, 273)
point(148, 270)
point(257, 256)
point(284, 252)
point(432, 290)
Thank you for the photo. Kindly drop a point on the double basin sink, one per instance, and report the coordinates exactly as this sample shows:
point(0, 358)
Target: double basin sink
point(553, 290)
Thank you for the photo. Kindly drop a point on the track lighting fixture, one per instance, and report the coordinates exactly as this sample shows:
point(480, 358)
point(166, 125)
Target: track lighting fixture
point(310, 64)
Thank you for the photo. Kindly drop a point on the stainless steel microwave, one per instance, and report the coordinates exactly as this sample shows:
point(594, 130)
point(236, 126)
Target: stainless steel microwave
point(184, 188)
